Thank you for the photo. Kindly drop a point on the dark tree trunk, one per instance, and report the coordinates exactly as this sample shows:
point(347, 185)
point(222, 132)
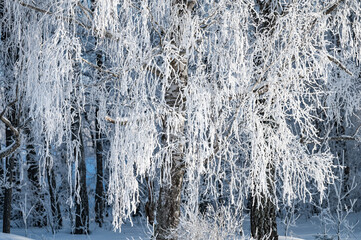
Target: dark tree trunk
point(81, 199)
point(98, 143)
point(150, 206)
point(168, 210)
point(33, 176)
point(10, 160)
point(99, 189)
point(57, 220)
point(263, 220)
point(263, 214)
point(263, 211)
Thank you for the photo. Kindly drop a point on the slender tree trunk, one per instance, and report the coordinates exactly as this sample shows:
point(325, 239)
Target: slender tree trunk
point(98, 143)
point(34, 181)
point(150, 206)
point(57, 221)
point(9, 179)
point(8, 195)
point(81, 203)
point(99, 189)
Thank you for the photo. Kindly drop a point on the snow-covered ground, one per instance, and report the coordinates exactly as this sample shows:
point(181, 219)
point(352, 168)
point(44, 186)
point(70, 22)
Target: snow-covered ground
point(4, 236)
point(306, 229)
point(138, 231)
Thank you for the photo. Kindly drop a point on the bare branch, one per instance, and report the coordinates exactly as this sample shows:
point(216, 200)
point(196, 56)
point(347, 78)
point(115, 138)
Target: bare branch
point(347, 137)
point(11, 148)
point(100, 68)
point(86, 11)
point(333, 7)
point(35, 8)
point(153, 70)
point(121, 121)
point(339, 64)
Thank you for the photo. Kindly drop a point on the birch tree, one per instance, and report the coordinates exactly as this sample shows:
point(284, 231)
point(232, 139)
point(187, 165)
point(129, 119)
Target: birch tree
point(223, 92)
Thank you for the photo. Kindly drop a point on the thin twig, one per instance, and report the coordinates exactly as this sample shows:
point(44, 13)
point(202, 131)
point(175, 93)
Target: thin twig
point(339, 64)
point(330, 9)
point(86, 11)
point(153, 70)
point(89, 28)
point(347, 137)
point(10, 149)
point(100, 68)
point(121, 121)
point(9, 105)
point(35, 8)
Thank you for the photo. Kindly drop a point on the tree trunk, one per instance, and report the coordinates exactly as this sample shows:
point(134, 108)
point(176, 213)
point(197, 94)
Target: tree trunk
point(263, 211)
point(34, 181)
point(81, 199)
point(263, 214)
point(263, 220)
point(98, 143)
point(9, 179)
point(8, 195)
point(150, 206)
point(99, 189)
point(57, 221)
point(168, 209)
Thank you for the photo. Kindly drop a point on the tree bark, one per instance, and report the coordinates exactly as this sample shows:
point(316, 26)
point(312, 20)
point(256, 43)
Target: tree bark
point(150, 206)
point(57, 221)
point(33, 176)
point(81, 203)
point(169, 200)
point(263, 211)
point(10, 160)
point(98, 143)
point(99, 189)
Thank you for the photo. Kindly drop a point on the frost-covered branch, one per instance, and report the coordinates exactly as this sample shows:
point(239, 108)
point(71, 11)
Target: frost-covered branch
point(13, 146)
point(333, 7)
point(121, 121)
point(100, 69)
point(352, 137)
point(339, 64)
point(51, 13)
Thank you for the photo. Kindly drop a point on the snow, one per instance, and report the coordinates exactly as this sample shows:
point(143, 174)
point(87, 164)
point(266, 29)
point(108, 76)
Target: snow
point(306, 229)
point(288, 238)
point(5, 236)
point(138, 231)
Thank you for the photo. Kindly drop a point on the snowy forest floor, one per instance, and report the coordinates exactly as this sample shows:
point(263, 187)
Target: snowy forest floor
point(305, 229)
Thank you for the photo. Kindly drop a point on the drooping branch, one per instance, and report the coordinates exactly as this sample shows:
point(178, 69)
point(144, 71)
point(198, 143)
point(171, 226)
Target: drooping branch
point(89, 28)
point(12, 147)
